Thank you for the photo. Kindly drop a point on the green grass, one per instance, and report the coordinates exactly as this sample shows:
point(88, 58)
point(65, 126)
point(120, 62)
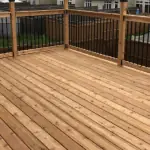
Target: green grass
point(128, 37)
point(27, 39)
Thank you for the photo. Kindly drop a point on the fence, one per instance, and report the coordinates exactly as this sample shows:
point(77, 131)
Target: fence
point(125, 38)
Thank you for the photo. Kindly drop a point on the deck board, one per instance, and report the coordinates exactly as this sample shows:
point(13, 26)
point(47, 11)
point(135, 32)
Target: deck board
point(76, 101)
point(4, 145)
point(10, 137)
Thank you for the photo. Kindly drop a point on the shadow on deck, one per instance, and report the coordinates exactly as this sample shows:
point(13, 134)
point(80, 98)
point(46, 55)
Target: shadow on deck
point(63, 99)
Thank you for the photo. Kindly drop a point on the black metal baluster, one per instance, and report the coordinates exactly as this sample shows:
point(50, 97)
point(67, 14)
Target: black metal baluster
point(53, 29)
point(76, 30)
point(41, 34)
point(31, 21)
point(26, 24)
point(91, 37)
point(34, 31)
point(49, 33)
point(130, 56)
point(62, 29)
point(38, 32)
point(23, 31)
point(147, 48)
point(59, 30)
point(100, 37)
point(126, 38)
point(45, 31)
point(106, 43)
point(113, 29)
point(7, 36)
point(3, 37)
point(73, 29)
point(138, 52)
point(103, 38)
point(92, 29)
point(69, 29)
point(97, 42)
point(142, 50)
point(134, 55)
point(79, 31)
point(93, 47)
point(117, 35)
point(56, 32)
point(86, 36)
point(84, 30)
point(110, 29)
point(81, 37)
point(18, 33)
point(89, 33)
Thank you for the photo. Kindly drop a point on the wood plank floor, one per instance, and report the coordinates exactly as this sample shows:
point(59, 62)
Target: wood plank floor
point(66, 100)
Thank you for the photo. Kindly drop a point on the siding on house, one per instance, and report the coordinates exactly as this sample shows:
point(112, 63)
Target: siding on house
point(77, 3)
point(100, 3)
point(37, 2)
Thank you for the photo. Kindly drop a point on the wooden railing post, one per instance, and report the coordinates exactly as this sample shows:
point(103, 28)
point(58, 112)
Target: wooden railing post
point(122, 31)
point(13, 27)
point(66, 25)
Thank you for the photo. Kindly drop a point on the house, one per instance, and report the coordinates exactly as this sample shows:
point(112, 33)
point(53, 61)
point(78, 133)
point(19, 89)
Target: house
point(144, 5)
point(77, 3)
point(41, 2)
point(106, 4)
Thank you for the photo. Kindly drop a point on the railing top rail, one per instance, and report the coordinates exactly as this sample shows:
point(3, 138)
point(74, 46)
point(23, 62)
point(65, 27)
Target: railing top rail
point(39, 12)
point(136, 18)
point(4, 14)
point(95, 14)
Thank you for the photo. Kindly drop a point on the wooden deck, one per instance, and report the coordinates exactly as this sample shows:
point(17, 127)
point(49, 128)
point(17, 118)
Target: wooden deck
point(66, 100)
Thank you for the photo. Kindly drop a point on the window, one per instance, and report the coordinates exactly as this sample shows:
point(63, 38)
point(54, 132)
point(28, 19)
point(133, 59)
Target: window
point(88, 3)
point(139, 4)
point(61, 2)
point(70, 2)
point(107, 5)
point(147, 7)
point(116, 4)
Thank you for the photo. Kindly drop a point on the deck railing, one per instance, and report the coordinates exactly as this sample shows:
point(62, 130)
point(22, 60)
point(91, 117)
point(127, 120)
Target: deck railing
point(120, 37)
point(137, 48)
point(5, 30)
point(39, 29)
point(96, 32)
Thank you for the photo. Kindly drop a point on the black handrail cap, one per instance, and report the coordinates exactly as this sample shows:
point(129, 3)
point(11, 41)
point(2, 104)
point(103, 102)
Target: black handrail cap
point(123, 0)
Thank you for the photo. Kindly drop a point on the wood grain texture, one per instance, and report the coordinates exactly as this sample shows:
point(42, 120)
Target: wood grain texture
point(13, 28)
point(4, 145)
point(76, 101)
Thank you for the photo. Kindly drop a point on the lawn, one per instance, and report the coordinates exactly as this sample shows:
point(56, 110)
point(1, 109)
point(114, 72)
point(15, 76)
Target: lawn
point(29, 41)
